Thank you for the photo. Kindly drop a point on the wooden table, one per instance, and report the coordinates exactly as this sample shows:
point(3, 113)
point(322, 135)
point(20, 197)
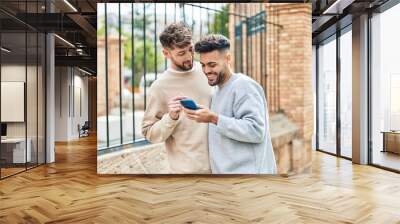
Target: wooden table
point(391, 141)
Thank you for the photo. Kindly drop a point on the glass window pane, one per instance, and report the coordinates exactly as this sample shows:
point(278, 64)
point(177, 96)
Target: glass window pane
point(13, 73)
point(127, 81)
point(114, 75)
point(31, 99)
point(101, 78)
point(386, 88)
point(22, 67)
point(142, 77)
point(327, 96)
point(346, 93)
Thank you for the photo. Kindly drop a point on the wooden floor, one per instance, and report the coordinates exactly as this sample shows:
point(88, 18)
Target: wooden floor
point(387, 159)
point(10, 171)
point(70, 191)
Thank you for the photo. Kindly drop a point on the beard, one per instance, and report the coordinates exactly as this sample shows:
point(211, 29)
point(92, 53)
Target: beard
point(220, 78)
point(184, 66)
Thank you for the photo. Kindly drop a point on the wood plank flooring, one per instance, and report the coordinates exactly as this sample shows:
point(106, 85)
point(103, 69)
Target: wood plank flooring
point(70, 191)
point(387, 159)
point(10, 171)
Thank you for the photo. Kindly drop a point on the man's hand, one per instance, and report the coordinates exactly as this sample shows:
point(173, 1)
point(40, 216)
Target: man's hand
point(174, 107)
point(202, 115)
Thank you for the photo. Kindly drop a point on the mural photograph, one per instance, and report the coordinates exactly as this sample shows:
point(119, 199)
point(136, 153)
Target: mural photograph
point(204, 88)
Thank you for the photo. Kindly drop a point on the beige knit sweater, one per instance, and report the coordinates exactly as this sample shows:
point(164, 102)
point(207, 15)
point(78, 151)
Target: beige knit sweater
point(185, 140)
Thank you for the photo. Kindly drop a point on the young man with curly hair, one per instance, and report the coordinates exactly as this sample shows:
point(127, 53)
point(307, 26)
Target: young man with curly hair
point(185, 140)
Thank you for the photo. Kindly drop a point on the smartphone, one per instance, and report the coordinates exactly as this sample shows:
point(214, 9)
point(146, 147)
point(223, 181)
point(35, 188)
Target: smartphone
point(189, 104)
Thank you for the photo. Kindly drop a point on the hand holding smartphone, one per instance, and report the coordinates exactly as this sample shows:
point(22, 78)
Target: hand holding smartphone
point(189, 104)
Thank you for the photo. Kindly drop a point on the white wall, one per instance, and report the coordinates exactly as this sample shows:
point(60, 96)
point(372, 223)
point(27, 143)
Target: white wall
point(12, 73)
point(81, 94)
point(61, 103)
point(71, 87)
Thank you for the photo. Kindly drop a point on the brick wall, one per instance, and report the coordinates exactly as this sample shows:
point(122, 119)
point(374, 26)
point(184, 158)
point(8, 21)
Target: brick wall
point(281, 63)
point(113, 74)
point(295, 55)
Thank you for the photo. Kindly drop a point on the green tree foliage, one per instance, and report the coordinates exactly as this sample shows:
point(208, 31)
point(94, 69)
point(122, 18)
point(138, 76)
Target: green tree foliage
point(138, 56)
point(220, 25)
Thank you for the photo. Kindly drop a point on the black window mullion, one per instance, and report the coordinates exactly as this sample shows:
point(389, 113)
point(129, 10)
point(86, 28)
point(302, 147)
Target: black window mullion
point(369, 88)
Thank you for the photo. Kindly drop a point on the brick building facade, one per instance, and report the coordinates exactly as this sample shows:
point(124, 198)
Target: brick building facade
point(113, 73)
point(279, 58)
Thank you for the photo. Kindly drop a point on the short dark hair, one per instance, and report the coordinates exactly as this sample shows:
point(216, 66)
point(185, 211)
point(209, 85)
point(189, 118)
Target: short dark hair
point(212, 42)
point(176, 35)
